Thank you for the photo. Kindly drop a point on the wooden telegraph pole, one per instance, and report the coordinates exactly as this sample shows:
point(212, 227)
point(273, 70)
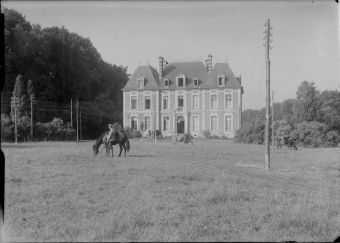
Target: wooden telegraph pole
point(32, 99)
point(273, 133)
point(80, 125)
point(77, 117)
point(71, 115)
point(267, 135)
point(15, 106)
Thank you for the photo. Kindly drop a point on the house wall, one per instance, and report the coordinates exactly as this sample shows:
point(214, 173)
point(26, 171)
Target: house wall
point(204, 112)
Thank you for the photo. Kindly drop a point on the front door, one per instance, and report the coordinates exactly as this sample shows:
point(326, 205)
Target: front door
point(180, 125)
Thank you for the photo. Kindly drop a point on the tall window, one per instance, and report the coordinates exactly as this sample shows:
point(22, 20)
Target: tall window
point(147, 123)
point(141, 83)
point(220, 81)
point(133, 102)
point(195, 123)
point(147, 102)
point(213, 101)
point(195, 102)
point(196, 82)
point(227, 121)
point(134, 124)
point(180, 81)
point(166, 83)
point(165, 123)
point(228, 100)
point(180, 102)
point(213, 123)
point(165, 102)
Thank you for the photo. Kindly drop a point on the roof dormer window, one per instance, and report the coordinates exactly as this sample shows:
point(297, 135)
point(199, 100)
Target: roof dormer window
point(141, 83)
point(180, 81)
point(221, 80)
point(166, 83)
point(196, 82)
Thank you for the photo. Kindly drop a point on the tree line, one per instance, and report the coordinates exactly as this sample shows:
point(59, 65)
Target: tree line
point(312, 118)
point(57, 65)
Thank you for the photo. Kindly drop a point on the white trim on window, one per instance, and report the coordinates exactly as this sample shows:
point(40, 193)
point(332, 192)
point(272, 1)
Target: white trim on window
point(210, 101)
point(147, 96)
point(210, 122)
point(223, 80)
point(166, 119)
point(197, 117)
point(167, 83)
point(178, 77)
point(231, 100)
point(231, 123)
point(198, 101)
point(177, 104)
point(145, 123)
point(139, 81)
point(163, 98)
point(134, 118)
point(196, 82)
point(133, 96)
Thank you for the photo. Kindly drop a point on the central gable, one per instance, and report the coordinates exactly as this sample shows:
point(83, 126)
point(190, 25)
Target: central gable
point(191, 71)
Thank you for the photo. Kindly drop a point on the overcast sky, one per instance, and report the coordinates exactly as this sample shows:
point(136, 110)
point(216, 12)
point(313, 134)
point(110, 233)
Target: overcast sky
point(306, 37)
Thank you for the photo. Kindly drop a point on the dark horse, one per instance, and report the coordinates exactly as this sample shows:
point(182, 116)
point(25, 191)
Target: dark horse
point(118, 137)
point(286, 140)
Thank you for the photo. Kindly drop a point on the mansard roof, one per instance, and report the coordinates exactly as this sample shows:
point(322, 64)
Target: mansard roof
point(150, 76)
point(191, 70)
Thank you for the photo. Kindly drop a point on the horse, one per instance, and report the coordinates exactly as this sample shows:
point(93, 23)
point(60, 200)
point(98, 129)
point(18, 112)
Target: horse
point(99, 141)
point(286, 140)
point(118, 137)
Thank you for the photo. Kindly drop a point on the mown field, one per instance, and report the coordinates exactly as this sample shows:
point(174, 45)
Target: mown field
point(214, 190)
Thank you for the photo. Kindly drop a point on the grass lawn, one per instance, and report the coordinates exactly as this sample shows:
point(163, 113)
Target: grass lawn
point(214, 190)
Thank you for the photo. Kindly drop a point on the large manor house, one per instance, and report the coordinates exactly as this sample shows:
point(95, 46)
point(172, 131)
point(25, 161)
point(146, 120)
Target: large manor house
point(184, 97)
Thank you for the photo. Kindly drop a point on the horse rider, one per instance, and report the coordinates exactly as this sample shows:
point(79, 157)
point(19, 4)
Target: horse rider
point(108, 136)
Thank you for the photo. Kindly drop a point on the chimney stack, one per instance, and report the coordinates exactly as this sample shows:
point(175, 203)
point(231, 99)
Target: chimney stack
point(209, 63)
point(160, 66)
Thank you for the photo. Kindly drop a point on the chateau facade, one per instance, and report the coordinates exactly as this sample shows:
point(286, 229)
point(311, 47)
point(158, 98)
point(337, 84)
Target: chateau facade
point(185, 97)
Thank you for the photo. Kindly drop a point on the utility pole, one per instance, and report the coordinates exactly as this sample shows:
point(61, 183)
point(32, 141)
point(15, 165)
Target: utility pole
point(80, 125)
point(71, 115)
point(267, 135)
point(77, 117)
point(32, 98)
point(273, 132)
point(15, 105)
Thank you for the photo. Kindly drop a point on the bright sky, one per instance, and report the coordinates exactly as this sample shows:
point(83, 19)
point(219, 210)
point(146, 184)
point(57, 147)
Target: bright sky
point(306, 37)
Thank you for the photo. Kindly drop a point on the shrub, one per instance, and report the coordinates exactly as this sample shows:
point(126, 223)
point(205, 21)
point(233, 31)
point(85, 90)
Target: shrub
point(54, 130)
point(251, 133)
point(40, 131)
point(24, 125)
point(311, 133)
point(7, 128)
point(332, 138)
point(282, 128)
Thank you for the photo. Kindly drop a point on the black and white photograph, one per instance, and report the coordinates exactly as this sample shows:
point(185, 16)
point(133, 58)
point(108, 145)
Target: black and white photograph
point(170, 121)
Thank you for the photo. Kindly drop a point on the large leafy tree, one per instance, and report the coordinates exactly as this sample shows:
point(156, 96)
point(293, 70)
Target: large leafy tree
point(63, 65)
point(329, 109)
point(313, 116)
point(307, 97)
